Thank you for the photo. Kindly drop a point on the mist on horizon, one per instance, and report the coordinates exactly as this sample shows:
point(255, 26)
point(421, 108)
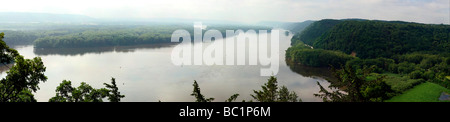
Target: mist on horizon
point(246, 11)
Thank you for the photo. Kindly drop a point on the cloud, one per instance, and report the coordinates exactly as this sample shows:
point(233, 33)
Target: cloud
point(425, 11)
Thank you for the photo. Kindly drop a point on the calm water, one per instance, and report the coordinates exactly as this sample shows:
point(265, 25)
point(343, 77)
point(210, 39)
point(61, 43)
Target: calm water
point(146, 73)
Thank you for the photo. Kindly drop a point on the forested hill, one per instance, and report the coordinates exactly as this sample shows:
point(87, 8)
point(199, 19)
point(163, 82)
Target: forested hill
point(294, 27)
point(297, 27)
point(114, 36)
point(374, 38)
point(69, 35)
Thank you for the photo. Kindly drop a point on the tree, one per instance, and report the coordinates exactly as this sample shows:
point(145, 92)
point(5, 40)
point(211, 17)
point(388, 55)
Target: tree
point(270, 93)
point(7, 54)
point(200, 98)
point(286, 96)
point(85, 93)
point(22, 78)
point(373, 38)
point(198, 95)
point(232, 98)
point(115, 95)
point(355, 87)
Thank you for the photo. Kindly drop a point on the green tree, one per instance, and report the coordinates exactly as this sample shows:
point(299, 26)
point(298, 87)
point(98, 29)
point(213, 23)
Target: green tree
point(286, 96)
point(7, 54)
point(200, 98)
point(22, 78)
point(232, 98)
point(85, 93)
point(115, 95)
point(198, 95)
point(355, 87)
point(270, 93)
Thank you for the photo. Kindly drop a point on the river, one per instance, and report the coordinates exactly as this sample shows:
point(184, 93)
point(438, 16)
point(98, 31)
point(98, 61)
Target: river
point(146, 73)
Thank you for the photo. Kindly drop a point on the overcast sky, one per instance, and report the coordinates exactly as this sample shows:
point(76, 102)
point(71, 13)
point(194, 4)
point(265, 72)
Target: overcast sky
point(423, 11)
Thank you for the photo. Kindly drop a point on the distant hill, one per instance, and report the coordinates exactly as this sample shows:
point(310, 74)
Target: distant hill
point(375, 38)
point(20, 17)
point(298, 27)
point(295, 27)
point(313, 31)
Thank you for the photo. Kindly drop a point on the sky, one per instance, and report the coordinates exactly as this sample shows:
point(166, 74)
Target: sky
point(422, 11)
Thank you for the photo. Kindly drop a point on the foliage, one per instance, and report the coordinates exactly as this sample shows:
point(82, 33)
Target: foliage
point(22, 78)
point(115, 95)
point(317, 57)
point(314, 31)
point(198, 95)
point(429, 67)
point(416, 51)
point(232, 98)
point(401, 83)
point(20, 37)
point(85, 93)
point(7, 54)
point(405, 67)
point(381, 64)
point(270, 93)
point(114, 35)
point(425, 92)
point(355, 87)
point(286, 96)
point(372, 39)
point(107, 36)
point(296, 27)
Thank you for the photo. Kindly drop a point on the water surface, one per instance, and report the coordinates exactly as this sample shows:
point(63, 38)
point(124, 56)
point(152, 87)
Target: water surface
point(146, 73)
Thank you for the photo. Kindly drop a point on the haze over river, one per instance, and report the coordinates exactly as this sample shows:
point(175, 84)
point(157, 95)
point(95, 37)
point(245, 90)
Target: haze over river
point(146, 73)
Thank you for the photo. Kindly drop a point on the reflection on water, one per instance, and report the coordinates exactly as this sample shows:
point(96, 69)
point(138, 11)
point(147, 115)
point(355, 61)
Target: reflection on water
point(313, 72)
point(96, 50)
point(146, 73)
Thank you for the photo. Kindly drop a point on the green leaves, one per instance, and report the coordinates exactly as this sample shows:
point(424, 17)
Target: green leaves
point(317, 57)
point(353, 86)
point(232, 98)
point(115, 95)
point(7, 54)
point(85, 93)
point(198, 95)
point(22, 78)
point(270, 93)
point(372, 39)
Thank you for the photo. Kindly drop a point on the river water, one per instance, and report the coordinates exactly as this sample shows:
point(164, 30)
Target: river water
point(146, 73)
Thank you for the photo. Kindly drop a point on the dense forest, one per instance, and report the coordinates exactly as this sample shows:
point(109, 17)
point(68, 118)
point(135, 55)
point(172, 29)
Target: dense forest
point(59, 36)
point(305, 55)
point(405, 54)
point(372, 39)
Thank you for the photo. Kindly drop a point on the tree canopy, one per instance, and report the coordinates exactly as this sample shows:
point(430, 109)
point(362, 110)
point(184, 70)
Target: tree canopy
point(198, 95)
point(373, 38)
point(22, 78)
point(352, 86)
point(272, 93)
point(65, 92)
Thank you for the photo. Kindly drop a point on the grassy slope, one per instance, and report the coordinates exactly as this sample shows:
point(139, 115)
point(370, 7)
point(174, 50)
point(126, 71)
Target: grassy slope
point(398, 83)
point(425, 92)
point(401, 83)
